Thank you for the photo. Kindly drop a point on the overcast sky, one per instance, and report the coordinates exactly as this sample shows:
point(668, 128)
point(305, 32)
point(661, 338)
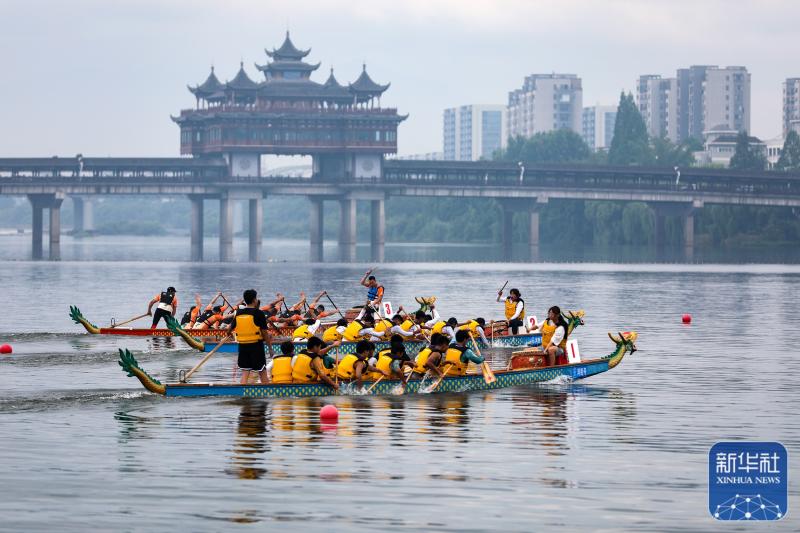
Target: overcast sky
point(103, 77)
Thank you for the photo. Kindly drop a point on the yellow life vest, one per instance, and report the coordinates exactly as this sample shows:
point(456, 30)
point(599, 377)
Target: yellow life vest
point(331, 334)
point(438, 327)
point(407, 325)
point(282, 369)
point(302, 372)
point(351, 331)
point(471, 326)
point(511, 308)
point(547, 334)
point(422, 358)
point(302, 332)
point(383, 325)
point(384, 363)
point(453, 357)
point(346, 369)
point(246, 330)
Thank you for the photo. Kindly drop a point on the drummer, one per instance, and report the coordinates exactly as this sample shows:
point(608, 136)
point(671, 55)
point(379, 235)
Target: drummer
point(514, 310)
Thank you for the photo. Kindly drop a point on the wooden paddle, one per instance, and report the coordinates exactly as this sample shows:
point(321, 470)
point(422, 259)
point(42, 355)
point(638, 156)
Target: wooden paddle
point(206, 358)
point(444, 374)
point(333, 304)
point(488, 375)
point(376, 382)
point(127, 321)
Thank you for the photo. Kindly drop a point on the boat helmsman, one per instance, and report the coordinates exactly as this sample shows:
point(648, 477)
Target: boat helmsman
point(167, 304)
point(250, 326)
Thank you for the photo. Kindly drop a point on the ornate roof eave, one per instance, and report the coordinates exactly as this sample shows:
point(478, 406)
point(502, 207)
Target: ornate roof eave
point(242, 81)
point(288, 49)
point(365, 85)
point(280, 66)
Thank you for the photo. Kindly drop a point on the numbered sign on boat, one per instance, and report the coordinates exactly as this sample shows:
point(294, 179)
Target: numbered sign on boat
point(573, 353)
point(388, 312)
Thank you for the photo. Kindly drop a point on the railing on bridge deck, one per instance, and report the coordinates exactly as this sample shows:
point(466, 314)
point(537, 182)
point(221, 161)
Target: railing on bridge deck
point(183, 169)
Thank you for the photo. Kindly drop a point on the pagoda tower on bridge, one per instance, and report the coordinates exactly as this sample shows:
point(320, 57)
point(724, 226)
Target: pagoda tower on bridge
point(343, 127)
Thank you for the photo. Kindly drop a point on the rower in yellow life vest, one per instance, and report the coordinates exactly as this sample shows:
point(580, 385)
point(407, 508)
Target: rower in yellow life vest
point(554, 335)
point(335, 333)
point(307, 330)
point(458, 356)
point(281, 365)
point(428, 358)
point(405, 327)
point(308, 365)
point(363, 327)
point(356, 366)
point(446, 328)
point(394, 359)
point(476, 328)
point(514, 310)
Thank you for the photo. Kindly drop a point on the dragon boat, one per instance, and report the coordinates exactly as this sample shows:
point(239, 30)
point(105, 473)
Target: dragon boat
point(624, 343)
point(77, 317)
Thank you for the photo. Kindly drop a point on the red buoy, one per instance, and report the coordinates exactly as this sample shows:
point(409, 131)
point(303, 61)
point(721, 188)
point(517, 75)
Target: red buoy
point(329, 412)
point(687, 318)
point(6, 348)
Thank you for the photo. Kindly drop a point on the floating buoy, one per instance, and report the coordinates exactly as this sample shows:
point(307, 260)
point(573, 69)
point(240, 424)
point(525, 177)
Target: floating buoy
point(6, 348)
point(687, 319)
point(329, 412)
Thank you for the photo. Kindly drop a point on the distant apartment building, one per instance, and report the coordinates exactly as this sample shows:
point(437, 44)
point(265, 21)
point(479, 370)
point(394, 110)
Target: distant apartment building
point(710, 97)
point(791, 105)
point(472, 132)
point(657, 99)
point(598, 126)
point(546, 102)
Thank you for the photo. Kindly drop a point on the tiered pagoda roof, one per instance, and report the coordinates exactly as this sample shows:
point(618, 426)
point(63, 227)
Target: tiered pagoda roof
point(288, 76)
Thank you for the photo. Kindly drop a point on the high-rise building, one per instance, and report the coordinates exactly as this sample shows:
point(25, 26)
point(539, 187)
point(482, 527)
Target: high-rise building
point(710, 97)
point(473, 132)
point(598, 126)
point(657, 99)
point(546, 102)
point(791, 105)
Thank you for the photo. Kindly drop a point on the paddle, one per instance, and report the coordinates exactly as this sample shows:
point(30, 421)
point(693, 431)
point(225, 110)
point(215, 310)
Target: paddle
point(376, 382)
point(488, 375)
point(127, 321)
point(444, 374)
point(206, 358)
point(333, 304)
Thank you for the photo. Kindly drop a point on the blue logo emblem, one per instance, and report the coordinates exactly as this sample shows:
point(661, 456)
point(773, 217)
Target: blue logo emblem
point(747, 481)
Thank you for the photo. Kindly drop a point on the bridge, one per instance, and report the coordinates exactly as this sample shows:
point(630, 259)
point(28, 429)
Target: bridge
point(519, 187)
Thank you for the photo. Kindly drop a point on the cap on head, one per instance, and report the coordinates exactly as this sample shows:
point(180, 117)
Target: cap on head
point(171, 289)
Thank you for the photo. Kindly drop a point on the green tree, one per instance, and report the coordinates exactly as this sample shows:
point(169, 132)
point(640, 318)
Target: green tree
point(790, 155)
point(669, 154)
point(630, 145)
point(557, 146)
point(746, 156)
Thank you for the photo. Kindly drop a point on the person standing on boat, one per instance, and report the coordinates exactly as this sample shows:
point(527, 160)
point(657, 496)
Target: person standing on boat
point(515, 310)
point(250, 326)
point(554, 335)
point(167, 304)
point(374, 291)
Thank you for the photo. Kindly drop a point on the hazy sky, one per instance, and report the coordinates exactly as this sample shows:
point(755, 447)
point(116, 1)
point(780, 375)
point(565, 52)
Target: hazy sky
point(102, 77)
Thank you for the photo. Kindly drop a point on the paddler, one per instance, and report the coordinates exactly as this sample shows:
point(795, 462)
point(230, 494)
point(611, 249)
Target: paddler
point(307, 330)
point(167, 304)
point(308, 363)
point(334, 333)
point(514, 310)
point(554, 335)
point(374, 291)
point(405, 327)
point(355, 366)
point(189, 317)
point(211, 316)
point(476, 328)
point(316, 310)
point(250, 326)
point(446, 328)
point(459, 355)
point(280, 367)
point(363, 327)
point(429, 358)
point(394, 359)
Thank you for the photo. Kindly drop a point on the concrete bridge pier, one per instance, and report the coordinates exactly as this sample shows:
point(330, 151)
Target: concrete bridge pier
point(255, 226)
point(510, 206)
point(661, 210)
point(225, 228)
point(316, 226)
point(378, 229)
point(83, 214)
point(347, 229)
point(196, 201)
point(534, 210)
point(51, 202)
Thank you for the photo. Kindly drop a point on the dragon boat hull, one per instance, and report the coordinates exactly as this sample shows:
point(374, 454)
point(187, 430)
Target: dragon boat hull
point(412, 347)
point(471, 382)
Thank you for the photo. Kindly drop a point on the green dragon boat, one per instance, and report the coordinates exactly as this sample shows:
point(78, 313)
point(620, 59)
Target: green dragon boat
point(624, 343)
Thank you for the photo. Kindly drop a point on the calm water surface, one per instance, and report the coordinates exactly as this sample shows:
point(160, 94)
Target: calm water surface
point(83, 446)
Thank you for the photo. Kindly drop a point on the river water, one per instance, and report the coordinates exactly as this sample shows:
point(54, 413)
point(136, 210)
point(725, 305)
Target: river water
point(83, 446)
